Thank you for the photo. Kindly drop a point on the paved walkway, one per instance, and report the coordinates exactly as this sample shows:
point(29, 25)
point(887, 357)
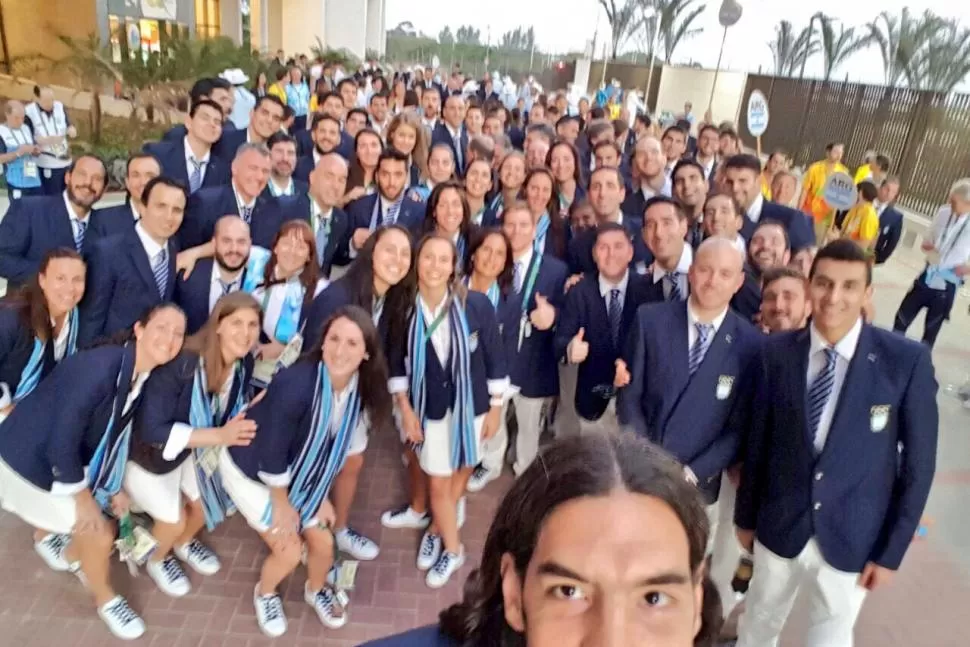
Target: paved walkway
point(922, 607)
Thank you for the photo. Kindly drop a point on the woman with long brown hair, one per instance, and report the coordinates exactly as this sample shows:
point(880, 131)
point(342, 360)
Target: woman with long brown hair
point(407, 135)
point(362, 175)
point(38, 328)
point(281, 483)
point(449, 216)
point(511, 176)
point(539, 193)
point(449, 381)
point(193, 407)
point(288, 281)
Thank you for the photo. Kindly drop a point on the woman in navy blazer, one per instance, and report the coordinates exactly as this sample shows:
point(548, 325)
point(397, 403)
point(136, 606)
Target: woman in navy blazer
point(511, 176)
point(192, 407)
point(380, 282)
point(281, 482)
point(63, 451)
point(489, 272)
point(449, 216)
point(539, 193)
point(477, 187)
point(563, 160)
point(441, 169)
point(449, 383)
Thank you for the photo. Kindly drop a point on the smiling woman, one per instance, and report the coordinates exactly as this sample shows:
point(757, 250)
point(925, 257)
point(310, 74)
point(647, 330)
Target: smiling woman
point(549, 577)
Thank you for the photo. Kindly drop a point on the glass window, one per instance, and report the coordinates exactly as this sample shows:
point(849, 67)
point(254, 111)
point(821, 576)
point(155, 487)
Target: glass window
point(207, 20)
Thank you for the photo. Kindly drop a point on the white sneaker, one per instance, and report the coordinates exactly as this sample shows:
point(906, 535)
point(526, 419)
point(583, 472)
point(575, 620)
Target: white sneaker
point(169, 576)
point(429, 551)
point(356, 545)
point(269, 613)
point(481, 477)
point(405, 517)
point(121, 619)
point(51, 549)
point(461, 512)
point(443, 569)
point(199, 556)
point(328, 609)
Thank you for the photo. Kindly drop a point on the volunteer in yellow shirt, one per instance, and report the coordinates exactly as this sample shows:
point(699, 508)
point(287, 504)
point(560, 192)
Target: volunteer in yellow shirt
point(813, 183)
point(277, 89)
point(864, 172)
point(777, 161)
point(861, 224)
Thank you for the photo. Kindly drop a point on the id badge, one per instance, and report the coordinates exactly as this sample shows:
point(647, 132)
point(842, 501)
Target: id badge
point(47, 174)
point(30, 169)
point(528, 329)
point(209, 461)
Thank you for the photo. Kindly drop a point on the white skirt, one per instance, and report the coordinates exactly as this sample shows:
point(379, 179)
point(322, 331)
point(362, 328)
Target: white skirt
point(160, 495)
point(435, 456)
point(35, 506)
point(358, 439)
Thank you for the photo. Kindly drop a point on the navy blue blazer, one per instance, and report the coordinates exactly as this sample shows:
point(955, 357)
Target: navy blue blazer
point(586, 308)
point(421, 637)
point(580, 252)
point(890, 231)
point(532, 368)
point(487, 361)
point(700, 419)
point(284, 416)
point(862, 497)
point(304, 166)
point(116, 219)
point(410, 216)
point(34, 226)
point(178, 132)
point(300, 187)
point(305, 146)
point(440, 135)
point(53, 433)
point(171, 155)
point(206, 206)
point(304, 142)
point(167, 400)
point(747, 300)
point(192, 294)
point(298, 208)
point(16, 347)
point(120, 286)
point(229, 144)
point(801, 230)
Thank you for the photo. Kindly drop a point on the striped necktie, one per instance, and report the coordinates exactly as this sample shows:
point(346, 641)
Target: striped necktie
point(160, 270)
point(459, 153)
point(246, 213)
point(82, 227)
point(615, 312)
point(322, 236)
point(392, 212)
point(673, 282)
point(517, 276)
point(699, 349)
point(820, 392)
point(195, 180)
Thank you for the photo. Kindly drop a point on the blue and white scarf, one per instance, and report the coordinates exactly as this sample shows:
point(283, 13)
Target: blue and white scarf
point(498, 206)
point(30, 375)
point(324, 450)
point(108, 464)
point(493, 293)
point(542, 228)
point(464, 448)
point(255, 268)
point(204, 413)
point(289, 321)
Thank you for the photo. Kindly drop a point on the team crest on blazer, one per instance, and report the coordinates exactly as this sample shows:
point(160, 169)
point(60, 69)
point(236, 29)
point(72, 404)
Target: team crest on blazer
point(473, 342)
point(724, 385)
point(879, 417)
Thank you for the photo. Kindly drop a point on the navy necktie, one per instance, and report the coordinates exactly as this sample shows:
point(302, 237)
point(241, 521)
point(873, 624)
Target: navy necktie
point(699, 349)
point(79, 235)
point(246, 213)
point(820, 392)
point(615, 312)
point(195, 179)
point(160, 270)
point(673, 281)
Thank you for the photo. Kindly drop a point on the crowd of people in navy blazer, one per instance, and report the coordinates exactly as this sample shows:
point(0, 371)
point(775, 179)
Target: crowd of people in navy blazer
point(265, 301)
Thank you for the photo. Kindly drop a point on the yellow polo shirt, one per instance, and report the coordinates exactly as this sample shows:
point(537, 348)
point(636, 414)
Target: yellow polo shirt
point(813, 184)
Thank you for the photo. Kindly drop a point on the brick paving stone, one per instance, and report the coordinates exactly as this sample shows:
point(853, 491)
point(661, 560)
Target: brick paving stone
point(39, 607)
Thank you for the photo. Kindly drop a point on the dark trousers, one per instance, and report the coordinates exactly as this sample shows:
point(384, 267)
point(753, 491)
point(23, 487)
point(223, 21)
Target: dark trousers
point(54, 184)
point(938, 304)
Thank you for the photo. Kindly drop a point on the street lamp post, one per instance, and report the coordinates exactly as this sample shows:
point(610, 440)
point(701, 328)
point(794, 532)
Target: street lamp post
point(648, 13)
point(728, 15)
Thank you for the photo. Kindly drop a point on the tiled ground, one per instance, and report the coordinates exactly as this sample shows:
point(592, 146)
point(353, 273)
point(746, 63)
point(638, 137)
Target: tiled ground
point(922, 608)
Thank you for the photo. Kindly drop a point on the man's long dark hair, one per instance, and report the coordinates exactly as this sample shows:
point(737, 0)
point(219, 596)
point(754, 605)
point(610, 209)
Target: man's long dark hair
point(584, 466)
point(399, 298)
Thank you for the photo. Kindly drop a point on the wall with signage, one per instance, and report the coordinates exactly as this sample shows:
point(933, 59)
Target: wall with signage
point(681, 84)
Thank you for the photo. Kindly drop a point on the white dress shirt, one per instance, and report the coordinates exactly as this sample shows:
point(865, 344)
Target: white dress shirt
point(692, 322)
point(844, 349)
point(441, 336)
point(152, 249)
point(606, 287)
point(60, 342)
point(951, 237)
point(190, 156)
point(240, 202)
point(708, 167)
point(278, 190)
point(683, 266)
point(523, 263)
point(215, 284)
point(75, 220)
point(649, 192)
point(754, 211)
point(135, 216)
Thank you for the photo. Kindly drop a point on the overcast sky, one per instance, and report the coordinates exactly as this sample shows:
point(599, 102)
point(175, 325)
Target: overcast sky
point(565, 25)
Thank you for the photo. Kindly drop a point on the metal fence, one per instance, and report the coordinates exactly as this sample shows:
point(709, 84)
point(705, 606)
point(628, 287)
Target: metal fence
point(926, 135)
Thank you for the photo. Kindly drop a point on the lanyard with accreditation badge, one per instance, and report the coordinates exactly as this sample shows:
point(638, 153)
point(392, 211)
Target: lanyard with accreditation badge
point(525, 327)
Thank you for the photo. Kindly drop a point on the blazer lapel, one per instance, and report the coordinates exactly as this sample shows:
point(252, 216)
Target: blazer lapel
point(854, 387)
point(798, 386)
point(127, 371)
point(139, 258)
point(172, 252)
point(721, 345)
point(63, 231)
point(177, 164)
point(678, 349)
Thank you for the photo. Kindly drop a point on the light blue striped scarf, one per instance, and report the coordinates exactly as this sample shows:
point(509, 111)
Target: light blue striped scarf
point(289, 321)
point(324, 450)
point(493, 293)
point(203, 413)
point(464, 448)
point(108, 463)
point(542, 228)
point(30, 376)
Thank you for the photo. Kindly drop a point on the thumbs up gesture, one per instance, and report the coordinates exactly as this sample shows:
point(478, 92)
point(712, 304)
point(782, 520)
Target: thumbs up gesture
point(578, 349)
point(544, 315)
point(622, 376)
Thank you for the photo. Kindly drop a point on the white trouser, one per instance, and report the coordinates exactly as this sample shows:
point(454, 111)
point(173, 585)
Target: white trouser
point(528, 420)
point(724, 547)
point(493, 449)
point(605, 424)
point(834, 599)
point(566, 416)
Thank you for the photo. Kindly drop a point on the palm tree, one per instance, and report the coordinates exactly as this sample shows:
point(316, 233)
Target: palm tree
point(624, 19)
point(901, 39)
point(676, 18)
point(943, 62)
point(788, 50)
point(837, 46)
